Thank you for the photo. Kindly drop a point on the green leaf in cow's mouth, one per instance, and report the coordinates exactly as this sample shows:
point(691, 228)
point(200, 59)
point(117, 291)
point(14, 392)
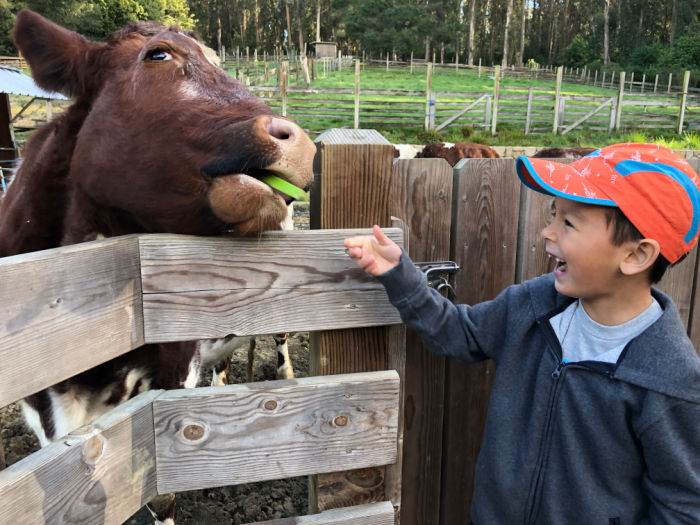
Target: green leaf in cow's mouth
point(285, 187)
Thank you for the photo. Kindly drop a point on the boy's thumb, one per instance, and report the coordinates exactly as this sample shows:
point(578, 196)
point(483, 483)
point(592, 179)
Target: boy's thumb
point(381, 236)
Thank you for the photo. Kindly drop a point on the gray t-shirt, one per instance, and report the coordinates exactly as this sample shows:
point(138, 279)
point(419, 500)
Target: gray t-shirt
point(583, 339)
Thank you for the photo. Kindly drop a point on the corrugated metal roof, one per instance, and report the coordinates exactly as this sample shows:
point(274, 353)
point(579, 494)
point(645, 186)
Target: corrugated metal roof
point(14, 82)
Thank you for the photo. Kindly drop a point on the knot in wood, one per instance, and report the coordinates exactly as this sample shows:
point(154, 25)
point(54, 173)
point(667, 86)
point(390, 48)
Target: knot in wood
point(340, 421)
point(193, 432)
point(270, 405)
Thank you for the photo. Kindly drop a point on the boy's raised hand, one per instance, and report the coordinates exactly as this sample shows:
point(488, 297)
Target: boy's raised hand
point(375, 255)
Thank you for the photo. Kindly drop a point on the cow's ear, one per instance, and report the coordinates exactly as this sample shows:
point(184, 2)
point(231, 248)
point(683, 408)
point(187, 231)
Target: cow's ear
point(57, 57)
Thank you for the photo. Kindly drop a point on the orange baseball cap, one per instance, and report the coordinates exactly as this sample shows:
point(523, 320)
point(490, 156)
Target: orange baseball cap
point(658, 191)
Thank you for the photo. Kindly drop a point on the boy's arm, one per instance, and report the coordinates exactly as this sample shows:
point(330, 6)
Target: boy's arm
point(671, 448)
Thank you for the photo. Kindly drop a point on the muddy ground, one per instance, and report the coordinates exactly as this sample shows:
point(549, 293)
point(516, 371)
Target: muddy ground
point(230, 505)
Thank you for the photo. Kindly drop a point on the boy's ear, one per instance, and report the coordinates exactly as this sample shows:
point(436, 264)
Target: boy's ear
point(641, 256)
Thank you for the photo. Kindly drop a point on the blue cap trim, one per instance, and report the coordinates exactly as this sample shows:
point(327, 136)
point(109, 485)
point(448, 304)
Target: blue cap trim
point(627, 167)
point(549, 190)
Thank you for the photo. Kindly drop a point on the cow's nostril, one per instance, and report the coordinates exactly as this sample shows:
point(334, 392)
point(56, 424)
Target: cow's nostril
point(280, 129)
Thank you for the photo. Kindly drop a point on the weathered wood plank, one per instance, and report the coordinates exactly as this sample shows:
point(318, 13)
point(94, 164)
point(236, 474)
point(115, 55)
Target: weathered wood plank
point(351, 190)
point(100, 473)
point(369, 514)
point(421, 195)
point(198, 288)
point(216, 436)
point(74, 307)
point(484, 240)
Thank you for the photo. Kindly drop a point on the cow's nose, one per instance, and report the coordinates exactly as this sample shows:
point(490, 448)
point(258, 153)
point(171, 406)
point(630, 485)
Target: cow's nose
point(296, 147)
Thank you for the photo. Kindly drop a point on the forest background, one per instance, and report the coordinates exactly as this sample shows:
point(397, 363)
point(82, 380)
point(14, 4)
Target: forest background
point(645, 36)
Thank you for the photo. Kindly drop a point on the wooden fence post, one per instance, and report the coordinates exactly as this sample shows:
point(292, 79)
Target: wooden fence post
point(557, 96)
point(283, 74)
point(411, 62)
point(602, 82)
point(528, 115)
point(656, 82)
point(684, 97)
point(612, 80)
point(352, 190)
point(487, 113)
point(670, 76)
point(356, 119)
point(421, 190)
point(496, 85)
point(595, 78)
point(618, 114)
point(429, 100)
point(631, 81)
point(479, 67)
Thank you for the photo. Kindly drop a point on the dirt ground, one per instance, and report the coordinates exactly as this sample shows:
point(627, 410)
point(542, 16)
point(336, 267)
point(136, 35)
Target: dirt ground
point(232, 505)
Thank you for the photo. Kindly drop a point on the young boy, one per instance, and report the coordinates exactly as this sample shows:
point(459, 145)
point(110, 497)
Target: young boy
point(594, 416)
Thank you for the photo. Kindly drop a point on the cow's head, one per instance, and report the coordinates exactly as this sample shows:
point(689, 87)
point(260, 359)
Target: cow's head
point(169, 141)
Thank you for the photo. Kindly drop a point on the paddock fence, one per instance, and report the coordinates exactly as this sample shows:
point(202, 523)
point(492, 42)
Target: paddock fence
point(377, 401)
point(536, 109)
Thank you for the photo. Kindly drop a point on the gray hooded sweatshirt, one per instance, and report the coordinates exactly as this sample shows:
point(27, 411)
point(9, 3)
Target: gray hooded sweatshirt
point(578, 443)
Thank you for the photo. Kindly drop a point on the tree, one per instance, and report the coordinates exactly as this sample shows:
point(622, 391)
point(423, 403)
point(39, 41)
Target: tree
point(606, 33)
point(509, 13)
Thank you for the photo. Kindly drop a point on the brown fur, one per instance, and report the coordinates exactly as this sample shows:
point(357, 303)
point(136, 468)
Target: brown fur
point(563, 153)
point(461, 150)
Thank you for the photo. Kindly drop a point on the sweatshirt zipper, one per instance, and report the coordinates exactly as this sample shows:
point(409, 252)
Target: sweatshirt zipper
point(555, 348)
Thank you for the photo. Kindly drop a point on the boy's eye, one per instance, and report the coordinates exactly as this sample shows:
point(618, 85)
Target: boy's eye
point(567, 223)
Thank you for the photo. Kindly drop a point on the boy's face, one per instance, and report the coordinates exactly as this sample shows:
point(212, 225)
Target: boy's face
point(588, 263)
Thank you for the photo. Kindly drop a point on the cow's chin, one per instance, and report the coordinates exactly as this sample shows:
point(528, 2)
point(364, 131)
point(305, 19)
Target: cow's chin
point(246, 204)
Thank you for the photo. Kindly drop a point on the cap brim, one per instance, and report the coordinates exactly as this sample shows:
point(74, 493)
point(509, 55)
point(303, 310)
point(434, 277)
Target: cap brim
point(559, 180)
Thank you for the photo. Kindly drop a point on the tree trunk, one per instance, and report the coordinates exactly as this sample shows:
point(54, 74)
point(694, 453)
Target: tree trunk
point(427, 49)
point(521, 55)
point(674, 15)
point(470, 45)
point(640, 27)
point(258, 41)
point(289, 27)
point(218, 34)
point(300, 28)
point(509, 14)
point(606, 33)
point(318, 21)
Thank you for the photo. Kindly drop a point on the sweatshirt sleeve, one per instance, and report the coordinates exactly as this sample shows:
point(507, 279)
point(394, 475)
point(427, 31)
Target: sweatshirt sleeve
point(460, 331)
point(671, 449)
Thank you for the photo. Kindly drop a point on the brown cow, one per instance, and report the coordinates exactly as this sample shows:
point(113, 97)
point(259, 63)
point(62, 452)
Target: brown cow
point(563, 153)
point(158, 139)
point(461, 150)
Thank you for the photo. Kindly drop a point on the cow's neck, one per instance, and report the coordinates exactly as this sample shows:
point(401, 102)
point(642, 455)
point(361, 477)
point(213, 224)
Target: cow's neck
point(33, 210)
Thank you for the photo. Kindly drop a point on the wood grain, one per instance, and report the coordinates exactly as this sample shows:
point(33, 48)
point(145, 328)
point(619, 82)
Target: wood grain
point(100, 473)
point(351, 190)
point(74, 307)
point(217, 436)
point(422, 196)
point(485, 233)
point(197, 288)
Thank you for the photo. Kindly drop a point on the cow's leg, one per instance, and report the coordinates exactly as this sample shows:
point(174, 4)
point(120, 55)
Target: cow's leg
point(284, 364)
point(162, 508)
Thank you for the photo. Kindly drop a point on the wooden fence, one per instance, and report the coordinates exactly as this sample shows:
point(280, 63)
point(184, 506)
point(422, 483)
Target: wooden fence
point(423, 420)
point(536, 109)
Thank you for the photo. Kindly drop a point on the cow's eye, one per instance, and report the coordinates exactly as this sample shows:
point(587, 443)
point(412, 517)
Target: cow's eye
point(158, 54)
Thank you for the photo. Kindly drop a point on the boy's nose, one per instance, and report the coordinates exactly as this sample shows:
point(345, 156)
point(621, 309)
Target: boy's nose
point(547, 233)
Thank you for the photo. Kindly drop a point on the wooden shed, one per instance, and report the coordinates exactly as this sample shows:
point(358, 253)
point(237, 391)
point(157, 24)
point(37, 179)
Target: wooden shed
point(325, 49)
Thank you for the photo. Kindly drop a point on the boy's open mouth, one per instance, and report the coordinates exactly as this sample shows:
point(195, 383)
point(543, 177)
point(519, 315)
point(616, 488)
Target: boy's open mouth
point(560, 265)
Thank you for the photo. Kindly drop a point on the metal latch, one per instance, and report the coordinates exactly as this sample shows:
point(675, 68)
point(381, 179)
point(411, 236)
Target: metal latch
point(435, 272)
